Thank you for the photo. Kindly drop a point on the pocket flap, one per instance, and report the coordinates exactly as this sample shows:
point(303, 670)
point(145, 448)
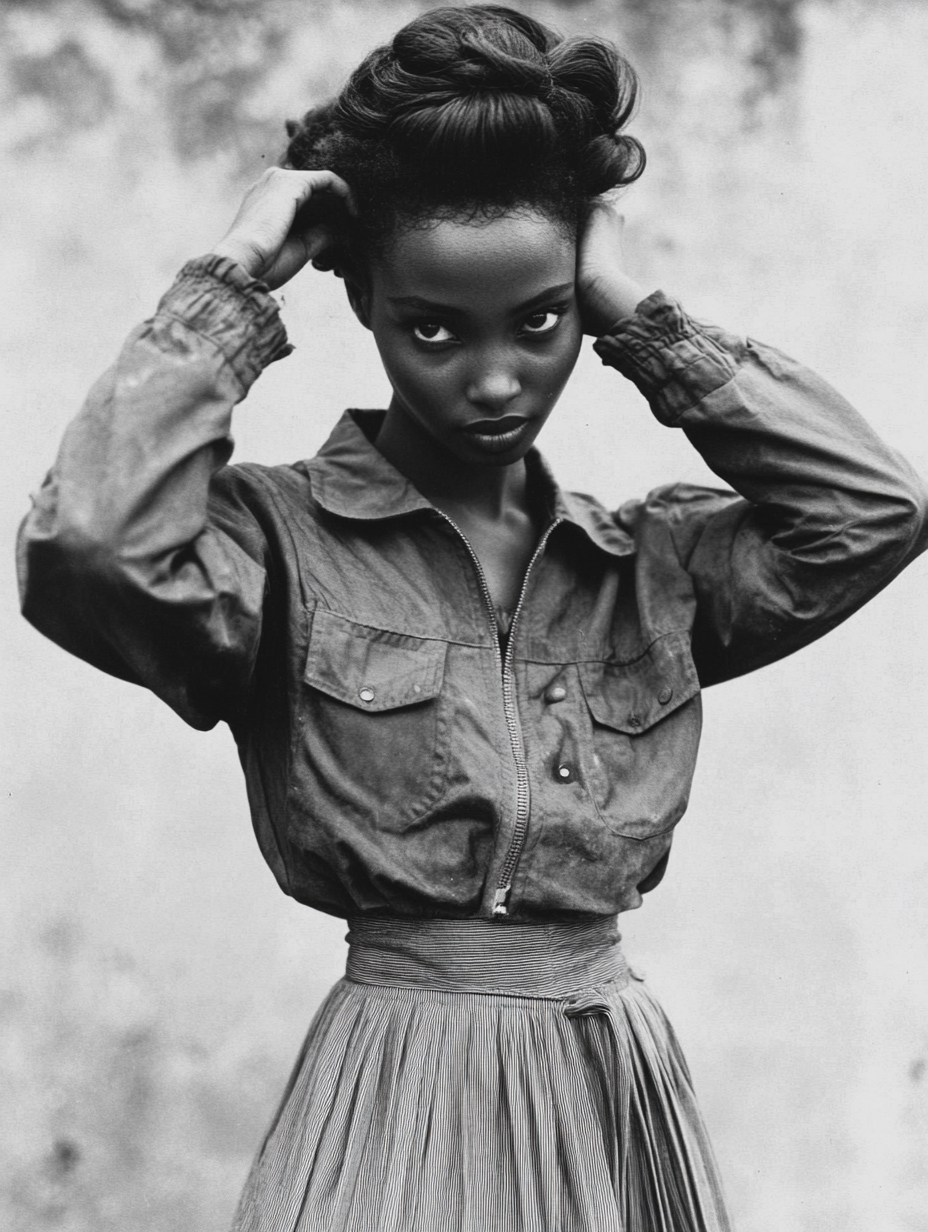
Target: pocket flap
point(631, 697)
point(371, 668)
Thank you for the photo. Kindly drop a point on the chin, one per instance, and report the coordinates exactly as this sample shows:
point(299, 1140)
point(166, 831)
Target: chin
point(495, 455)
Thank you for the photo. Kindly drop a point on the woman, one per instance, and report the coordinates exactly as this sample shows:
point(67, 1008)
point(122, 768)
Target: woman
point(466, 702)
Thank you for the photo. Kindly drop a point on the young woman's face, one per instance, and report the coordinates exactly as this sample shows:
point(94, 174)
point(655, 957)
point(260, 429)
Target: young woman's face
point(478, 329)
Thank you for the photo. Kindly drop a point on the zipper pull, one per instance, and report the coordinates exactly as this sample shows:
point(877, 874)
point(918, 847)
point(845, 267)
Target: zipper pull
point(499, 903)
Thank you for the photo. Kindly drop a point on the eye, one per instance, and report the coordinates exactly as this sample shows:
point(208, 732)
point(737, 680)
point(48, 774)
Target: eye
point(542, 322)
point(431, 331)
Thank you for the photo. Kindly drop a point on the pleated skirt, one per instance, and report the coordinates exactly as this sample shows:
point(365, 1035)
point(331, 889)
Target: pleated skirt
point(474, 1076)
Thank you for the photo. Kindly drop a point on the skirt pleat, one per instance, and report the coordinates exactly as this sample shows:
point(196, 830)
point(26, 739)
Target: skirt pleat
point(416, 1109)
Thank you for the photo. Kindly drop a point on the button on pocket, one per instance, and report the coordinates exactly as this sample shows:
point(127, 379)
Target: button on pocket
point(645, 720)
point(375, 744)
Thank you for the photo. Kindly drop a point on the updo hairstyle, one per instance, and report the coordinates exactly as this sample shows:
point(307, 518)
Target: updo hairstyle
point(471, 112)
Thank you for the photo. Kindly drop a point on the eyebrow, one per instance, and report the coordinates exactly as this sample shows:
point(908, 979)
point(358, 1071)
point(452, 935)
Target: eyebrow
point(430, 305)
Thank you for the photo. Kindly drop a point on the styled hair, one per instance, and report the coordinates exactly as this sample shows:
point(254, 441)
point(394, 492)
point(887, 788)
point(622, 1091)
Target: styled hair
point(473, 112)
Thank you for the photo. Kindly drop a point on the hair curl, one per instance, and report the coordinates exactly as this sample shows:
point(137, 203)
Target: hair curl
point(474, 111)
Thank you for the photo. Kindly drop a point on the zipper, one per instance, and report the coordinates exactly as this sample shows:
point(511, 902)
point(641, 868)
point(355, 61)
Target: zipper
point(504, 663)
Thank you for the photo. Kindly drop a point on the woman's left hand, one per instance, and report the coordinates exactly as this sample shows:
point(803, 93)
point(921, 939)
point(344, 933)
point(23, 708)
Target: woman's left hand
point(605, 293)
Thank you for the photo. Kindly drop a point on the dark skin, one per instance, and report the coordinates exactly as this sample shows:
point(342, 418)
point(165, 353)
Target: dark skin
point(476, 324)
point(479, 325)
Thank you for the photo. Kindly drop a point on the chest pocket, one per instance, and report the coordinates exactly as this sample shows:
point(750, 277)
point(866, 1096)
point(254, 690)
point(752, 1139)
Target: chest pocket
point(375, 735)
point(645, 721)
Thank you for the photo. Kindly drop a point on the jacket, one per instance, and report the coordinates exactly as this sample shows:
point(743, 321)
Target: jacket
point(397, 757)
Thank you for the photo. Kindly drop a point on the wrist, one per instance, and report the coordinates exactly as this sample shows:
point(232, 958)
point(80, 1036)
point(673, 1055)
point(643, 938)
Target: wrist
point(610, 299)
point(217, 299)
point(241, 254)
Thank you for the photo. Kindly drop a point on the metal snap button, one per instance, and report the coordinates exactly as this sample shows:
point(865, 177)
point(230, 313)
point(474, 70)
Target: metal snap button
point(556, 693)
point(366, 694)
point(565, 773)
point(665, 695)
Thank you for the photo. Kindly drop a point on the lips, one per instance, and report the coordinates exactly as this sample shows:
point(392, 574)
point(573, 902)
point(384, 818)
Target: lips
point(496, 427)
point(498, 435)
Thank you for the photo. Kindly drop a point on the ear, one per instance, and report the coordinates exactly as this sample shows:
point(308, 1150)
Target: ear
point(358, 297)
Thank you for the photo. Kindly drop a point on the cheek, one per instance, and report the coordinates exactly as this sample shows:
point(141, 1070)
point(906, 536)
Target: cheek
point(411, 375)
point(560, 362)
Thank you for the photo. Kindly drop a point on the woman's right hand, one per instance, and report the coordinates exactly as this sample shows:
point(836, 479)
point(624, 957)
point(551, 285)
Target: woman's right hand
point(285, 220)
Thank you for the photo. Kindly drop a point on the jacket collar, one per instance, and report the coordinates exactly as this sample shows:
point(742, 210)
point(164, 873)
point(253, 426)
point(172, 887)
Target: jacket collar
point(352, 479)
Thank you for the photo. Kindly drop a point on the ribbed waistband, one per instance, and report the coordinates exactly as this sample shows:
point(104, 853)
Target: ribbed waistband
point(546, 959)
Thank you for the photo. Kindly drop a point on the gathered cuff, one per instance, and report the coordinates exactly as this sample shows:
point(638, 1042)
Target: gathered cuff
point(216, 298)
point(674, 360)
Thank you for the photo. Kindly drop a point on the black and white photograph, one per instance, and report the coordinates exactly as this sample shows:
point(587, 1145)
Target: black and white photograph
point(464, 674)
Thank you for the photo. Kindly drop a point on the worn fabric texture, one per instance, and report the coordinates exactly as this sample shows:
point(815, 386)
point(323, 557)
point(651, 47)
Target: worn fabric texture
point(471, 1075)
point(482, 808)
point(396, 758)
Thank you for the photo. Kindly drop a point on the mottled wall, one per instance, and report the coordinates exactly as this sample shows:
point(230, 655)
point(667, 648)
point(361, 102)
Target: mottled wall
point(155, 984)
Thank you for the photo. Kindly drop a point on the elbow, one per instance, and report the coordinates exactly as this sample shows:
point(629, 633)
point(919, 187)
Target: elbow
point(884, 536)
point(58, 566)
point(920, 502)
point(59, 541)
point(60, 551)
point(49, 577)
point(877, 535)
point(68, 592)
point(908, 515)
point(887, 521)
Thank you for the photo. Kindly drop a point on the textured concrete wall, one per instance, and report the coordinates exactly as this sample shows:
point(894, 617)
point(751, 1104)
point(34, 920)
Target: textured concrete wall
point(155, 984)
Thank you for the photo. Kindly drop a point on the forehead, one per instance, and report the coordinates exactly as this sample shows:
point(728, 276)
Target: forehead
point(514, 255)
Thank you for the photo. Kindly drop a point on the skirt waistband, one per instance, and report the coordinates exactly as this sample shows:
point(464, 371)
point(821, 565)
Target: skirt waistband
point(547, 959)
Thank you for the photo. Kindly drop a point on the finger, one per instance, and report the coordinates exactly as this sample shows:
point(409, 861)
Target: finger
point(328, 182)
point(319, 240)
point(341, 188)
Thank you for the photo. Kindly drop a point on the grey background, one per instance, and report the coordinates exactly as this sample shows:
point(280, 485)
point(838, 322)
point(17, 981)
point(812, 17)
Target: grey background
point(155, 983)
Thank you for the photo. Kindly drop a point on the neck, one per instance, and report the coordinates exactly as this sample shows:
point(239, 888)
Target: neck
point(450, 484)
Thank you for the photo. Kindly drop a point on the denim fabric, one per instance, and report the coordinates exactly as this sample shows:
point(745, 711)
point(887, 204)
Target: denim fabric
point(395, 760)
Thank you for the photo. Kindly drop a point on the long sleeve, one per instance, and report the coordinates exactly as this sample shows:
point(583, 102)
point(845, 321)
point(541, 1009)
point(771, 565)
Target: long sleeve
point(120, 561)
point(823, 513)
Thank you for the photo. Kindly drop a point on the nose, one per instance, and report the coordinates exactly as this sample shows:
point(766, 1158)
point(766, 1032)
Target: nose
point(494, 381)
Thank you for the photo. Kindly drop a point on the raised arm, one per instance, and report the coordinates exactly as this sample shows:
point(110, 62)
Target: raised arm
point(823, 513)
point(131, 557)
